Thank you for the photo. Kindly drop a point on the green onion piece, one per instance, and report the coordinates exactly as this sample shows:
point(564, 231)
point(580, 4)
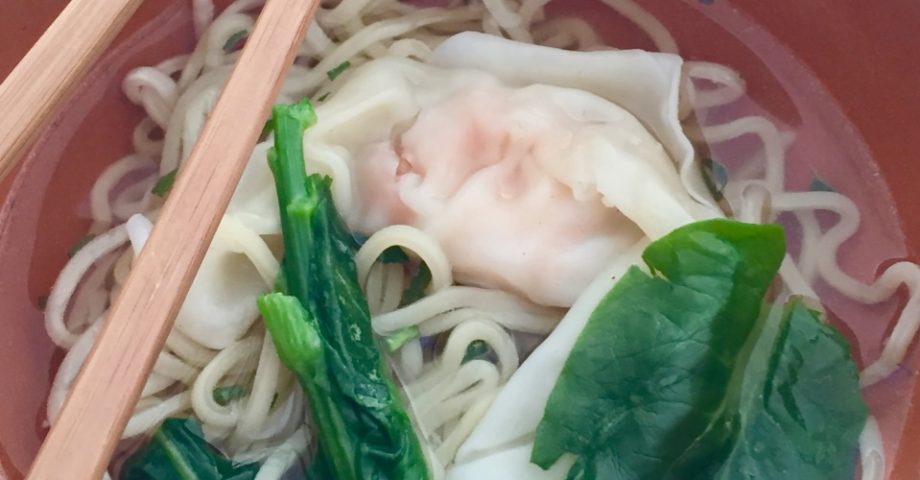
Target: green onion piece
point(164, 184)
point(235, 41)
point(399, 338)
point(224, 395)
point(335, 72)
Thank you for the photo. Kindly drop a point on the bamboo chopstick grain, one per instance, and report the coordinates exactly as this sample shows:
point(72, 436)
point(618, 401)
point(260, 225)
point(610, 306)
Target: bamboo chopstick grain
point(53, 66)
point(84, 436)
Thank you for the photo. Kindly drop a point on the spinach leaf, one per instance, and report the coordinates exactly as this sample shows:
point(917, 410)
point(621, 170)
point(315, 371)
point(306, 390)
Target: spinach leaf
point(178, 451)
point(678, 376)
point(806, 415)
point(650, 388)
point(321, 325)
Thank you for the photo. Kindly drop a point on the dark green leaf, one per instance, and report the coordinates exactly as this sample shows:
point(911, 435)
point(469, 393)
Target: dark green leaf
point(224, 395)
point(80, 244)
point(819, 185)
point(178, 451)
point(322, 331)
point(164, 184)
point(651, 387)
point(235, 41)
point(335, 72)
point(804, 419)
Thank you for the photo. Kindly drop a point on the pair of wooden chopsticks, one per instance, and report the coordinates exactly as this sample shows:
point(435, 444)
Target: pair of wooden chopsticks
point(84, 436)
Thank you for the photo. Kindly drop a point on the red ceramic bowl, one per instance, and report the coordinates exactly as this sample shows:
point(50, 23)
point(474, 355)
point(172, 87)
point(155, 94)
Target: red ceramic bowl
point(844, 73)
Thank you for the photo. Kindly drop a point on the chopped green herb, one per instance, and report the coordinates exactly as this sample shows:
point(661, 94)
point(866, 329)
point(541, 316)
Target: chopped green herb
point(235, 41)
point(164, 184)
point(819, 185)
point(399, 338)
point(476, 351)
point(178, 451)
point(335, 72)
point(224, 395)
point(716, 177)
point(323, 97)
point(42, 301)
point(80, 244)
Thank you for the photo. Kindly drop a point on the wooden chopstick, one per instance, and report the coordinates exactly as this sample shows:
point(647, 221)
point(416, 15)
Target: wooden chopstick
point(85, 434)
point(54, 65)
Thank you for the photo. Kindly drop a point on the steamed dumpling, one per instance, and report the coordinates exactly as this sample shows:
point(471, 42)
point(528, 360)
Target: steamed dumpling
point(483, 172)
point(528, 188)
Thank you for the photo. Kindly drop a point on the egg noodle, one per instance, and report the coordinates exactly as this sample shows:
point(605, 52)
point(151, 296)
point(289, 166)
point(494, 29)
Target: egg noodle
point(448, 395)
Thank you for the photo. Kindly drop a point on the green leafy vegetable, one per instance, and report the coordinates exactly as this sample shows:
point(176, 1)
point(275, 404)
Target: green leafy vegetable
point(178, 451)
point(321, 326)
point(224, 395)
point(649, 387)
point(805, 416)
point(80, 244)
point(164, 184)
point(42, 301)
point(335, 72)
point(819, 185)
point(672, 378)
point(235, 41)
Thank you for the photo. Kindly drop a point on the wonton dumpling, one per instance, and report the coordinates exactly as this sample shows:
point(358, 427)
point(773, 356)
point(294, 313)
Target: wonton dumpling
point(646, 84)
point(531, 189)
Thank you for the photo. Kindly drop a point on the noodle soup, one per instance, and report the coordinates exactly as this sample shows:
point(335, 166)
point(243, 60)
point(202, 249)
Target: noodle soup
point(475, 323)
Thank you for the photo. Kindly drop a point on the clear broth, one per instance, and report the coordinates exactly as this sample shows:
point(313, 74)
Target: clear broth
point(94, 130)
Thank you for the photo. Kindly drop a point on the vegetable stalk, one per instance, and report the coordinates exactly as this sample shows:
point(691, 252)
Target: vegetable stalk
point(321, 326)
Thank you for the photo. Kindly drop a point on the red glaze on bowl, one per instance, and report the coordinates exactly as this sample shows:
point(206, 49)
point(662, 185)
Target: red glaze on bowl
point(842, 73)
